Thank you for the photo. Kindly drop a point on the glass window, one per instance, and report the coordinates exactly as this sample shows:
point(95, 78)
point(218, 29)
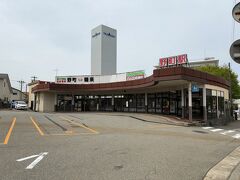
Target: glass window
point(86, 79)
point(222, 94)
point(91, 79)
point(74, 79)
point(214, 93)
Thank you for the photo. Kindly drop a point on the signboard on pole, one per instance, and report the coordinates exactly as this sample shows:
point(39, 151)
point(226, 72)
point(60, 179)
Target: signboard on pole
point(235, 51)
point(135, 75)
point(173, 61)
point(236, 12)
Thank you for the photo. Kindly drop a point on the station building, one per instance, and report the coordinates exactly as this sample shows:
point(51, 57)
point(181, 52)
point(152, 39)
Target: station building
point(172, 89)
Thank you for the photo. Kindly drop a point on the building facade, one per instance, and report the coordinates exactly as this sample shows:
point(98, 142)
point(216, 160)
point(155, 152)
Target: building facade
point(5, 89)
point(177, 91)
point(18, 95)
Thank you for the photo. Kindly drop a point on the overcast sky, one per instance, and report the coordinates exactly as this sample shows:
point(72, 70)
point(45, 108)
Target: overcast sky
point(37, 37)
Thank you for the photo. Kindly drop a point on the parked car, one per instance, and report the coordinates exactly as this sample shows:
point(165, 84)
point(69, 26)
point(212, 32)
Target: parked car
point(20, 105)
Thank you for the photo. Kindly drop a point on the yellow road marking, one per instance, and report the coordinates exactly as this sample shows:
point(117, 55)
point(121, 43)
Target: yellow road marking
point(81, 125)
point(37, 127)
point(9, 131)
point(73, 134)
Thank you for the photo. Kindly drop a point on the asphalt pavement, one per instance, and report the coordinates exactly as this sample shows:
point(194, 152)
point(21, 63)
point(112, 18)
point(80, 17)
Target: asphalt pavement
point(92, 146)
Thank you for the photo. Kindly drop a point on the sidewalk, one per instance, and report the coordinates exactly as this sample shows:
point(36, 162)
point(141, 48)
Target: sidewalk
point(235, 174)
point(153, 118)
point(232, 125)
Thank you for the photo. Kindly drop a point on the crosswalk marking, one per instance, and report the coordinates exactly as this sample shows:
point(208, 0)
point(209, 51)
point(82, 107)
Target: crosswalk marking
point(224, 132)
point(227, 132)
point(207, 127)
point(236, 136)
point(216, 130)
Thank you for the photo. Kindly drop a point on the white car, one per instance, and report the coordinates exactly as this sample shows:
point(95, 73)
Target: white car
point(20, 105)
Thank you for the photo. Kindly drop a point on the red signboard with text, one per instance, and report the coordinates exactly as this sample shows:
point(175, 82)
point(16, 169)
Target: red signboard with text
point(182, 59)
point(163, 62)
point(173, 61)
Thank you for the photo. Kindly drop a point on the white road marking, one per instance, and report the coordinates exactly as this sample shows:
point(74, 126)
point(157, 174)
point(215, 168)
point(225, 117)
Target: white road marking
point(207, 127)
point(29, 157)
point(34, 163)
point(216, 130)
point(236, 136)
point(227, 132)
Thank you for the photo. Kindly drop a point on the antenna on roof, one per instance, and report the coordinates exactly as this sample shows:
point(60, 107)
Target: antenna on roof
point(56, 70)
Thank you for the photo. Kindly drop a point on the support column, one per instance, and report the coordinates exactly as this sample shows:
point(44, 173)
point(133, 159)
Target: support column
point(113, 109)
point(204, 104)
point(146, 102)
point(182, 102)
point(72, 104)
point(190, 102)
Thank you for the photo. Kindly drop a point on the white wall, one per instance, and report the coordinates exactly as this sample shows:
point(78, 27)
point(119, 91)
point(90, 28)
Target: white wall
point(46, 102)
point(103, 51)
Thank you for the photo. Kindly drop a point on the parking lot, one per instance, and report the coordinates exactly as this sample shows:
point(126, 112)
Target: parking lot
point(105, 146)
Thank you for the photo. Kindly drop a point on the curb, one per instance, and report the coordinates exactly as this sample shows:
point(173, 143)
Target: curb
point(224, 169)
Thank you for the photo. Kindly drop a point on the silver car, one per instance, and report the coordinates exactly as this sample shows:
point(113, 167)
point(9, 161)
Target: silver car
point(21, 105)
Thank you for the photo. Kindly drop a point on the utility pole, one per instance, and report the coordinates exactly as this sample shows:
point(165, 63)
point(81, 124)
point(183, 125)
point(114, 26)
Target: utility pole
point(21, 85)
point(33, 78)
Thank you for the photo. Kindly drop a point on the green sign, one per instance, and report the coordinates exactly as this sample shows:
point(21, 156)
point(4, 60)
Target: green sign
point(135, 75)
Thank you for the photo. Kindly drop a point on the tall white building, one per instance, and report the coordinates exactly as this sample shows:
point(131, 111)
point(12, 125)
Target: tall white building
point(103, 51)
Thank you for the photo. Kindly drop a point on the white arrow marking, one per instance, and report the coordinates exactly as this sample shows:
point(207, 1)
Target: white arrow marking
point(34, 163)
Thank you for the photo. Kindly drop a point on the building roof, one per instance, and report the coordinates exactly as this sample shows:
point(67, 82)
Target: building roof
point(5, 76)
point(167, 77)
point(205, 62)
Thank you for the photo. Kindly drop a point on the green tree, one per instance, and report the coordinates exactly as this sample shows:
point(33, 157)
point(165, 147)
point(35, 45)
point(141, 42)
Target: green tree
point(223, 71)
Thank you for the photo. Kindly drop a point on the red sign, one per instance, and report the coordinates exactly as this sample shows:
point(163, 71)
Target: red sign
point(163, 62)
point(182, 59)
point(174, 60)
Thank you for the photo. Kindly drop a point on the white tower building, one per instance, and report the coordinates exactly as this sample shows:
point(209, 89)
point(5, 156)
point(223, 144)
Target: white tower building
point(103, 51)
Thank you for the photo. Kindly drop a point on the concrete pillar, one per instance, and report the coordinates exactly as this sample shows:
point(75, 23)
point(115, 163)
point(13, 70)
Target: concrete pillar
point(146, 102)
point(204, 104)
point(113, 103)
point(190, 102)
point(72, 104)
point(182, 101)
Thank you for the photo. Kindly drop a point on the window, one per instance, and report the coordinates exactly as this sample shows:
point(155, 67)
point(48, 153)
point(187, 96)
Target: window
point(69, 80)
point(86, 79)
point(14, 93)
point(74, 79)
point(91, 79)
